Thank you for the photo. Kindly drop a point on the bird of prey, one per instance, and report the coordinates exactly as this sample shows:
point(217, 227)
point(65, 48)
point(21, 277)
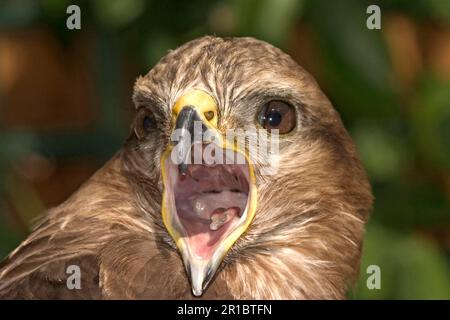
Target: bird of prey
point(153, 224)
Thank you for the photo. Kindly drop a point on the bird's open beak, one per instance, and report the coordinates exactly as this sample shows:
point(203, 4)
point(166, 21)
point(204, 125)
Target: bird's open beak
point(209, 197)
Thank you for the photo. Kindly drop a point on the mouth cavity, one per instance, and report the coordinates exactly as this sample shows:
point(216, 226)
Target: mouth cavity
point(207, 203)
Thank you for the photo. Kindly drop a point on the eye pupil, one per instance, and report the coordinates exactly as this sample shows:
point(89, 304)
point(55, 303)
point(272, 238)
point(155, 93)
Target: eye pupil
point(148, 123)
point(144, 123)
point(274, 118)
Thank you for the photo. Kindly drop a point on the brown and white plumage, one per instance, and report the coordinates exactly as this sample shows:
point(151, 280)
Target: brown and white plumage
point(303, 243)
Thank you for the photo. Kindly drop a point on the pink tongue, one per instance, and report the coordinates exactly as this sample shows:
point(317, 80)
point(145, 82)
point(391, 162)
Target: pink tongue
point(201, 206)
point(222, 216)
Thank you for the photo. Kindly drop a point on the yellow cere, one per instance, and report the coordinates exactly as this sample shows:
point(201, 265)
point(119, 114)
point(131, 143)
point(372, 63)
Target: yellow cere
point(200, 101)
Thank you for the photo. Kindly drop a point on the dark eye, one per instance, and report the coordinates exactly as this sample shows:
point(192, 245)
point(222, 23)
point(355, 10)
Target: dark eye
point(277, 115)
point(148, 123)
point(144, 123)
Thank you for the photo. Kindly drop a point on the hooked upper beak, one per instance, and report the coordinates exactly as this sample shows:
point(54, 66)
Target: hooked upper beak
point(205, 208)
point(191, 129)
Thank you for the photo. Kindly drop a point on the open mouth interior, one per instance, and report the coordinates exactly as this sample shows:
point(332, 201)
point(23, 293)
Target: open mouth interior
point(208, 202)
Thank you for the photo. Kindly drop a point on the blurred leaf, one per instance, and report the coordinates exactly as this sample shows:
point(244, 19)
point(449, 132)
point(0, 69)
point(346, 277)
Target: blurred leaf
point(411, 268)
point(118, 13)
point(383, 152)
point(423, 270)
point(357, 69)
point(14, 13)
point(408, 204)
point(430, 119)
point(56, 8)
point(420, 9)
point(439, 9)
point(157, 46)
point(268, 20)
point(8, 238)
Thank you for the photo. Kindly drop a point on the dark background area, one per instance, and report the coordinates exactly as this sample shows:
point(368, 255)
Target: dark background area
point(65, 104)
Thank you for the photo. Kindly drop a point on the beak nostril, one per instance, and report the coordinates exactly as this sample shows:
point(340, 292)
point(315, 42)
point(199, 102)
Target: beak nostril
point(209, 115)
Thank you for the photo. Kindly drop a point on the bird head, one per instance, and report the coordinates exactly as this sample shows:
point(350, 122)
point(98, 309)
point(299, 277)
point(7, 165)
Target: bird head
point(240, 152)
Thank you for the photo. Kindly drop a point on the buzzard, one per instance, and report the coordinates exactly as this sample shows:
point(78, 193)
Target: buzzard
point(157, 222)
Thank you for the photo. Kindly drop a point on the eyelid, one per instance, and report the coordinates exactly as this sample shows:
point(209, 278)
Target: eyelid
point(157, 106)
point(156, 110)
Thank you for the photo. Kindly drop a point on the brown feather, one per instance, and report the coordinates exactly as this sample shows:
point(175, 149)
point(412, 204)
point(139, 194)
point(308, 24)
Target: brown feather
point(304, 243)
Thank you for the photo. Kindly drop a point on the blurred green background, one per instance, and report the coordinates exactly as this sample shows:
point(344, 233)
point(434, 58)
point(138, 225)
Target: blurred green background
point(65, 102)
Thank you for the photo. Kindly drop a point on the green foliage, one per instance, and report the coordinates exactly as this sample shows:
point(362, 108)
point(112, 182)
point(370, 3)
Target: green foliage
point(266, 19)
point(411, 267)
